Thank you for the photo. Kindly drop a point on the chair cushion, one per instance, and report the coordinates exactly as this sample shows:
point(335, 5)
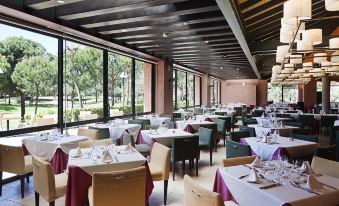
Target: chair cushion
point(156, 171)
point(144, 149)
point(60, 184)
point(230, 203)
point(28, 164)
point(90, 195)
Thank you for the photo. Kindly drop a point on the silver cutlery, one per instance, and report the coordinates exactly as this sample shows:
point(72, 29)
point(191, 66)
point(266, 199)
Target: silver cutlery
point(243, 176)
point(270, 186)
point(295, 184)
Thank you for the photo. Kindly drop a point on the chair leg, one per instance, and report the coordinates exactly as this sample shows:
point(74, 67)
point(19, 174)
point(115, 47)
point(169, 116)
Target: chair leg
point(165, 191)
point(1, 183)
point(52, 203)
point(173, 168)
point(37, 198)
point(27, 178)
point(211, 151)
point(196, 166)
point(183, 166)
point(22, 183)
point(224, 137)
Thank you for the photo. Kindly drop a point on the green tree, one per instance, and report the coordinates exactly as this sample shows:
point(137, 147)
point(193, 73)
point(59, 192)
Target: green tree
point(34, 76)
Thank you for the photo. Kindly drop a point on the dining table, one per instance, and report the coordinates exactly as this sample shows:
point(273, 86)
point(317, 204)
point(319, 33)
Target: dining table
point(55, 147)
point(116, 131)
point(165, 138)
point(208, 117)
point(155, 120)
point(274, 188)
point(284, 131)
point(80, 170)
point(192, 126)
point(271, 150)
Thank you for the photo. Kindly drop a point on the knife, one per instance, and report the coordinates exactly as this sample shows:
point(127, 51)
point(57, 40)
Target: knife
point(270, 186)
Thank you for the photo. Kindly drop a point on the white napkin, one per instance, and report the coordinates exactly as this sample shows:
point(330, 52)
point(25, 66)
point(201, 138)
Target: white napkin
point(107, 156)
point(264, 139)
point(129, 147)
point(78, 153)
point(312, 183)
point(306, 168)
point(256, 162)
point(253, 177)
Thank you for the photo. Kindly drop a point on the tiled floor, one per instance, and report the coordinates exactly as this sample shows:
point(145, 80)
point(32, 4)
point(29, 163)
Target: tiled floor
point(11, 192)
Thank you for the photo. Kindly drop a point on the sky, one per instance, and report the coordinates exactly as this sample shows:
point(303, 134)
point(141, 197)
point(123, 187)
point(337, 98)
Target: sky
point(50, 44)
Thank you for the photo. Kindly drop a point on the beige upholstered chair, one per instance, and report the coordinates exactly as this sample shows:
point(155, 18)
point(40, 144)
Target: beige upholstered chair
point(14, 161)
point(325, 167)
point(160, 165)
point(238, 161)
point(91, 133)
point(90, 143)
point(43, 121)
point(124, 187)
point(195, 195)
point(46, 184)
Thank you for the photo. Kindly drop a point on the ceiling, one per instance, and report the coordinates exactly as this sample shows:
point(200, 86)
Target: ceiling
point(192, 33)
point(261, 22)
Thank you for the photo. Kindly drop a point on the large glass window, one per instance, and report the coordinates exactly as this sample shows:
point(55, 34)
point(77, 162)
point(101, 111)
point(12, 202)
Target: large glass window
point(143, 87)
point(290, 93)
point(181, 89)
point(334, 91)
point(119, 84)
point(274, 93)
point(28, 78)
point(214, 92)
point(83, 82)
point(190, 90)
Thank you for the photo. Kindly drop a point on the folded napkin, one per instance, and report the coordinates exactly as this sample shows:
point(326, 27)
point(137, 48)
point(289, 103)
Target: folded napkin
point(129, 147)
point(257, 162)
point(306, 168)
point(107, 156)
point(312, 183)
point(78, 153)
point(253, 177)
point(264, 139)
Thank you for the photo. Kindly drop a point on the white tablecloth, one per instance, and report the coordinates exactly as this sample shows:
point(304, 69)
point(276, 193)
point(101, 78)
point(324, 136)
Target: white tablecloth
point(116, 131)
point(194, 123)
point(283, 131)
point(164, 138)
point(214, 118)
point(336, 123)
point(249, 194)
point(155, 121)
point(40, 146)
point(126, 160)
point(294, 148)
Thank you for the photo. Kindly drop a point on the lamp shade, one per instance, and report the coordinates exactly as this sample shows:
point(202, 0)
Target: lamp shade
point(276, 69)
point(304, 46)
point(332, 5)
point(314, 36)
point(296, 59)
point(282, 51)
point(320, 57)
point(307, 66)
point(334, 43)
point(335, 57)
point(302, 9)
point(286, 35)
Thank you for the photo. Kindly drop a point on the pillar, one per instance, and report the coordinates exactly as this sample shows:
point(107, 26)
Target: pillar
point(164, 88)
point(206, 90)
point(325, 94)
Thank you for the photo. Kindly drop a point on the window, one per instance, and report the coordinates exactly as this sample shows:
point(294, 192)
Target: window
point(28, 79)
point(274, 93)
point(83, 82)
point(197, 83)
point(181, 89)
point(143, 87)
point(334, 91)
point(290, 93)
point(214, 92)
point(119, 84)
point(190, 90)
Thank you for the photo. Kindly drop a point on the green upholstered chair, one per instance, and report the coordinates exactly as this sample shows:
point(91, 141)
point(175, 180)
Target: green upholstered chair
point(246, 128)
point(248, 120)
point(283, 115)
point(171, 125)
point(206, 140)
point(185, 149)
point(198, 111)
point(307, 121)
point(222, 129)
point(141, 122)
point(329, 152)
point(144, 149)
point(333, 131)
point(228, 120)
point(327, 121)
point(310, 138)
point(177, 116)
point(294, 123)
point(103, 132)
point(236, 149)
point(236, 136)
point(147, 127)
point(258, 112)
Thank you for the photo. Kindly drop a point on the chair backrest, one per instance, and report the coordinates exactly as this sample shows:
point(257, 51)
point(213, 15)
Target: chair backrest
point(236, 136)
point(238, 161)
point(44, 182)
point(141, 122)
point(294, 124)
point(310, 138)
point(258, 112)
point(307, 120)
point(236, 149)
point(43, 121)
point(147, 127)
point(103, 132)
point(176, 115)
point(124, 187)
point(185, 148)
point(161, 156)
point(246, 128)
point(327, 121)
point(238, 111)
point(12, 159)
point(171, 125)
point(206, 136)
point(326, 167)
point(333, 131)
point(198, 111)
point(127, 139)
point(195, 195)
point(91, 143)
point(329, 153)
point(283, 115)
point(221, 125)
point(228, 122)
point(93, 134)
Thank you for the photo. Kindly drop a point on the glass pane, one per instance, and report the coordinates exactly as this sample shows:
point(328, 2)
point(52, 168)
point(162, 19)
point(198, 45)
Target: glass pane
point(28, 78)
point(143, 87)
point(83, 82)
point(190, 89)
point(119, 84)
point(274, 93)
point(291, 94)
point(197, 90)
point(181, 89)
point(174, 95)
